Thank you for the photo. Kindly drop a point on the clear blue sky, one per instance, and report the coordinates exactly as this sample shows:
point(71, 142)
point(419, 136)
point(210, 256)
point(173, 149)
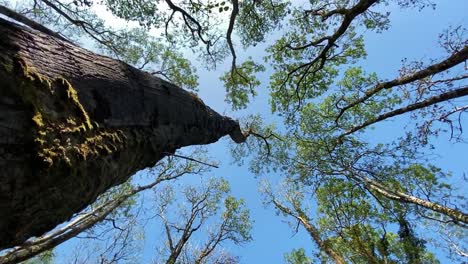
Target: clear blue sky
point(412, 35)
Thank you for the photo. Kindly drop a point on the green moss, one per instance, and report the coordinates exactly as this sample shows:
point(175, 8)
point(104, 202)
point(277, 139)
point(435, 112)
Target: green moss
point(72, 94)
point(37, 119)
point(40, 141)
point(31, 75)
point(71, 121)
point(66, 134)
point(107, 149)
point(48, 155)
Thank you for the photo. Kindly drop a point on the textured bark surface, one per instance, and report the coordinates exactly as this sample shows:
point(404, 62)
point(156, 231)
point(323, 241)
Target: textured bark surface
point(73, 124)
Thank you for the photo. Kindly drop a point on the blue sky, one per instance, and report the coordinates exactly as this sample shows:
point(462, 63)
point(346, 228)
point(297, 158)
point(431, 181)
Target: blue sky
point(412, 35)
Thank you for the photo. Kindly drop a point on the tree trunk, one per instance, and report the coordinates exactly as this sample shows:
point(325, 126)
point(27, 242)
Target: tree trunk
point(73, 124)
point(323, 245)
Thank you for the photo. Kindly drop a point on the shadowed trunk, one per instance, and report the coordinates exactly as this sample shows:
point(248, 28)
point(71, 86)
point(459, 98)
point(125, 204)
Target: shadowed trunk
point(73, 124)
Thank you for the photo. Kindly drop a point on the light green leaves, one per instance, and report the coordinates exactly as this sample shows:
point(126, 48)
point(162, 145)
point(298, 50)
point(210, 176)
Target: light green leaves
point(145, 12)
point(258, 19)
point(240, 83)
point(237, 218)
point(297, 256)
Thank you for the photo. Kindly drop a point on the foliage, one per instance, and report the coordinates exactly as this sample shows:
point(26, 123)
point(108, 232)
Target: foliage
point(208, 206)
point(297, 256)
point(240, 83)
point(45, 258)
point(361, 198)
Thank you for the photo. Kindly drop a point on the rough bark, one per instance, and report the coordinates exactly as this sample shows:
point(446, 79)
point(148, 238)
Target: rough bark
point(73, 124)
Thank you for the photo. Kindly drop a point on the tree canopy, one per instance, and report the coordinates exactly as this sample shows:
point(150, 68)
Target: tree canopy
point(361, 198)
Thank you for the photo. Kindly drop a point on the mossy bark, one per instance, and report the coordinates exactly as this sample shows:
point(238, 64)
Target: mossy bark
point(73, 124)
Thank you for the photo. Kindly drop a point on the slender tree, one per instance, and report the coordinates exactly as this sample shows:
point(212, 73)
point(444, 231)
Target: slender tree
point(208, 207)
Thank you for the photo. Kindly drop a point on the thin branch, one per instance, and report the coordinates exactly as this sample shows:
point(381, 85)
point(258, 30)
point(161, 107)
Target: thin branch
point(185, 16)
point(457, 216)
point(448, 63)
point(30, 23)
point(348, 17)
point(311, 229)
point(264, 138)
point(428, 102)
point(76, 226)
point(191, 159)
point(83, 25)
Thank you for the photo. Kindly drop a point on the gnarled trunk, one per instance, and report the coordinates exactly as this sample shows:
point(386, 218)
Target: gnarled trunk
point(73, 124)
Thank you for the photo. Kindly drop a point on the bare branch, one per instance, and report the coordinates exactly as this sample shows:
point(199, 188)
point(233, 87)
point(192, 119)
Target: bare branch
point(191, 159)
point(30, 23)
point(188, 19)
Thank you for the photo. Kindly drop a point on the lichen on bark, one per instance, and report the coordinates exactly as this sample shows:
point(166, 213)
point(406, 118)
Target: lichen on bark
point(63, 129)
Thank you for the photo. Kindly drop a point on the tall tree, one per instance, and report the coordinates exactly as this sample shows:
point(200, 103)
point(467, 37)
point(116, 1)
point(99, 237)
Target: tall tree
point(360, 200)
point(75, 124)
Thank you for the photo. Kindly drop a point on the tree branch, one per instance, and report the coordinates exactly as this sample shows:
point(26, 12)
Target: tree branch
point(349, 16)
point(453, 60)
point(88, 28)
point(456, 215)
point(191, 159)
point(429, 101)
point(76, 226)
point(311, 229)
point(30, 23)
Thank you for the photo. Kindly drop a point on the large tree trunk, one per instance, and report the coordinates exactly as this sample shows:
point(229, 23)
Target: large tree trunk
point(73, 124)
